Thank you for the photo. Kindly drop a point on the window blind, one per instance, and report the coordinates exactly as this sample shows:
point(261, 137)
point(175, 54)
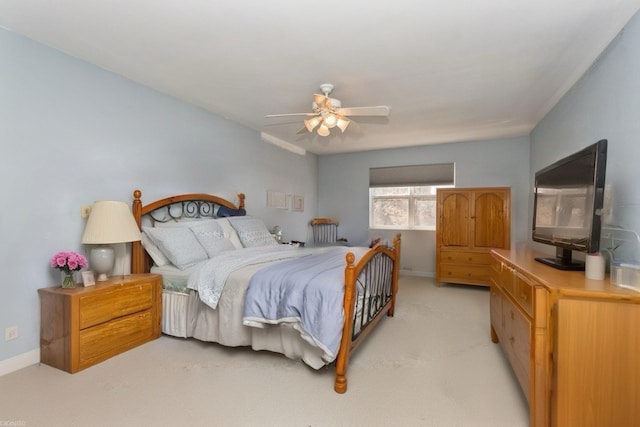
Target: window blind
point(414, 175)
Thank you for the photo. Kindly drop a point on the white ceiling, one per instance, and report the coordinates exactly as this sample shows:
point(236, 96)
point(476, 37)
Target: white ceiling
point(449, 70)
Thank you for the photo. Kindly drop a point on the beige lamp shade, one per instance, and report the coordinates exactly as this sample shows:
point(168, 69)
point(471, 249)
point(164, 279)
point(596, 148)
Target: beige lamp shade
point(109, 222)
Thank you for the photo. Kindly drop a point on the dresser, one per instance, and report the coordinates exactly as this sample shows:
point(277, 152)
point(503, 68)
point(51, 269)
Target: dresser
point(80, 327)
point(572, 343)
point(469, 223)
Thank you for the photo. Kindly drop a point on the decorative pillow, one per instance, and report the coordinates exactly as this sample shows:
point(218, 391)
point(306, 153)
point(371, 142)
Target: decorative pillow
point(179, 244)
point(252, 231)
point(224, 211)
point(230, 232)
point(159, 259)
point(211, 237)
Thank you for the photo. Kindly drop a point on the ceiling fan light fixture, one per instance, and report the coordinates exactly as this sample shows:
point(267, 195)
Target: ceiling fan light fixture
point(342, 123)
point(330, 120)
point(323, 130)
point(311, 123)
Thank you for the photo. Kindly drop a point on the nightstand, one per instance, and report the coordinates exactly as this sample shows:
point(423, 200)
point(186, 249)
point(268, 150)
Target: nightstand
point(80, 327)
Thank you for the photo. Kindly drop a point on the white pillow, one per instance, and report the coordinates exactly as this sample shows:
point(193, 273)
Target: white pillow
point(230, 232)
point(211, 237)
point(179, 244)
point(252, 231)
point(159, 259)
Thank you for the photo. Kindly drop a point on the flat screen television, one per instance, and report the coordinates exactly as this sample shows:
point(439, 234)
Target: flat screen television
point(568, 202)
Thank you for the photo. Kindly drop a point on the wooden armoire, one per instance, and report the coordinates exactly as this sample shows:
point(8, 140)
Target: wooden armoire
point(469, 223)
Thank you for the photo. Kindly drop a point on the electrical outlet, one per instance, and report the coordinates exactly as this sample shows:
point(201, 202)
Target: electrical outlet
point(85, 210)
point(10, 333)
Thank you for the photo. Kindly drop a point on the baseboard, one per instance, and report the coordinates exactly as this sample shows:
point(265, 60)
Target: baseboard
point(20, 361)
point(416, 273)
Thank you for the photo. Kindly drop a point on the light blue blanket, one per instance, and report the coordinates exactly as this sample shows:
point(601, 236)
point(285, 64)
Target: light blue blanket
point(307, 292)
point(210, 276)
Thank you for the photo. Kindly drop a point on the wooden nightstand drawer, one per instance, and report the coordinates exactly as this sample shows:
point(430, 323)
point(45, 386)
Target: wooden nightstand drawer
point(103, 341)
point(117, 301)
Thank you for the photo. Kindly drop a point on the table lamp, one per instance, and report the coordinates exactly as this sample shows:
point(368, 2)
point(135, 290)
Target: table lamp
point(109, 222)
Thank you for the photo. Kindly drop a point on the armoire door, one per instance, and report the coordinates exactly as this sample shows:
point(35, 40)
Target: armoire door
point(455, 220)
point(490, 219)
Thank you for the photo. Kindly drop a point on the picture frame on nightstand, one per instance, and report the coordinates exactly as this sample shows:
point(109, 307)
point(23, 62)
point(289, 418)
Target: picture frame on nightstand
point(87, 278)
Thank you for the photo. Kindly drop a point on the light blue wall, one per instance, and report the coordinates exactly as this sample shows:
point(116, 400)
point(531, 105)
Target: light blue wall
point(605, 103)
point(73, 133)
point(344, 188)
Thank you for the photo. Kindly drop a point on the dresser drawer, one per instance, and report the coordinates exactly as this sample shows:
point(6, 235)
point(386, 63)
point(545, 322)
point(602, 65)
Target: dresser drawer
point(507, 279)
point(474, 274)
point(518, 329)
point(465, 258)
point(524, 294)
point(105, 340)
point(495, 311)
point(114, 302)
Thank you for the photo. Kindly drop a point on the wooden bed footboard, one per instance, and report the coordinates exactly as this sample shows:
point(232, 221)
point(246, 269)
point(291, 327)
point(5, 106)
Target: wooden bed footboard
point(371, 286)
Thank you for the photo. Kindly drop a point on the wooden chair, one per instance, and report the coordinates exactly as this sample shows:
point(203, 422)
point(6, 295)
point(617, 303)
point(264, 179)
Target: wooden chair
point(325, 232)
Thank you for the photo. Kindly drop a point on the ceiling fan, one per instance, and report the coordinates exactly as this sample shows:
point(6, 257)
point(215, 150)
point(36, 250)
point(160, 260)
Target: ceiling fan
point(327, 113)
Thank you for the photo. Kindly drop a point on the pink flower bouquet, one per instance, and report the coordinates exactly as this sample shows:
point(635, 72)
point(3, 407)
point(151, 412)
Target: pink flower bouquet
point(68, 261)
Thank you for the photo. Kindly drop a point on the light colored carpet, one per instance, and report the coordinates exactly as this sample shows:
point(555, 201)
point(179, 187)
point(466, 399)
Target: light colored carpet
point(432, 364)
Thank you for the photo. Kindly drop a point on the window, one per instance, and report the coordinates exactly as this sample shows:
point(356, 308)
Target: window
point(407, 208)
point(404, 197)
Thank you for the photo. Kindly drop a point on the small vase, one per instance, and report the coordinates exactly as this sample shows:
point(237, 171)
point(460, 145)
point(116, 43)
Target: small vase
point(68, 281)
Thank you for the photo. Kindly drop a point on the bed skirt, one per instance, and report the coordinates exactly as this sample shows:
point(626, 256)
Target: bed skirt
point(185, 316)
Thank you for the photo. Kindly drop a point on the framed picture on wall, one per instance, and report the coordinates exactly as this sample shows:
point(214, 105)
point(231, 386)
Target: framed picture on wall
point(297, 203)
point(276, 199)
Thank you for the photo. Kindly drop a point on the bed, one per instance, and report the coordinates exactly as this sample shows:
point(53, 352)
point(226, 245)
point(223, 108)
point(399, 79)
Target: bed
point(226, 280)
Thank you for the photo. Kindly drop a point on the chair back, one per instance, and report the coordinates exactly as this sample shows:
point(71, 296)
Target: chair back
point(325, 230)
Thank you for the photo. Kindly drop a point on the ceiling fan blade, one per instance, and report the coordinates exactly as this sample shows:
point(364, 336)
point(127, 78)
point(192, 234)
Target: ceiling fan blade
point(290, 114)
point(322, 102)
point(318, 99)
point(380, 110)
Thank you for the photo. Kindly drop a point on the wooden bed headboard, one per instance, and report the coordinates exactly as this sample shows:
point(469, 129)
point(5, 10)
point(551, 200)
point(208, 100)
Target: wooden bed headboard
point(176, 208)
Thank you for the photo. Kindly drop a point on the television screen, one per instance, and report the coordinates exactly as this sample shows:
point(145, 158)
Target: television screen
point(568, 202)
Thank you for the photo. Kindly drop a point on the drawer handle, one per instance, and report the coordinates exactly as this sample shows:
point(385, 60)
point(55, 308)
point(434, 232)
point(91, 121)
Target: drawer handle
point(523, 297)
point(513, 316)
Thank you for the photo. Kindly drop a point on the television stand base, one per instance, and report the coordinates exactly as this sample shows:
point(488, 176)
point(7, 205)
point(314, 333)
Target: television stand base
point(561, 264)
